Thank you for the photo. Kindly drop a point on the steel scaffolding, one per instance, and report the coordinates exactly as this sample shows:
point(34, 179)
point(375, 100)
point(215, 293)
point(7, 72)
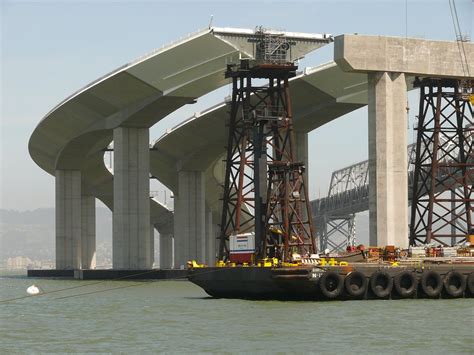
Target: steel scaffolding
point(444, 165)
point(264, 187)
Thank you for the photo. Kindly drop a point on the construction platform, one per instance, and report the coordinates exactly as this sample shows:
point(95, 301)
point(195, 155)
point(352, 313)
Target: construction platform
point(111, 274)
point(361, 281)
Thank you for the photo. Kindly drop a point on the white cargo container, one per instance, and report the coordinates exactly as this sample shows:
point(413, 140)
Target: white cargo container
point(242, 243)
point(242, 247)
point(417, 252)
point(450, 252)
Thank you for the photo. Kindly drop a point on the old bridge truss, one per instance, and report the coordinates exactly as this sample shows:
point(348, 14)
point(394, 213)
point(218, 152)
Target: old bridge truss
point(335, 215)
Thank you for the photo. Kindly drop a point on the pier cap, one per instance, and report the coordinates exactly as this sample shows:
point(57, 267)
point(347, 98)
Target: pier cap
point(245, 40)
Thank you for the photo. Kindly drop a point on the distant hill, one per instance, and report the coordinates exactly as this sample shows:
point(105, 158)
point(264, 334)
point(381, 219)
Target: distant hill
point(40, 216)
point(32, 233)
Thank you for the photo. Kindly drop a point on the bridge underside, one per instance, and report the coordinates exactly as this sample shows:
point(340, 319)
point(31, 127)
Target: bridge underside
point(69, 142)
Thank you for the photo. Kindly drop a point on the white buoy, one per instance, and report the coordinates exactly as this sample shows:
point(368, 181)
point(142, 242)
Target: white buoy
point(34, 290)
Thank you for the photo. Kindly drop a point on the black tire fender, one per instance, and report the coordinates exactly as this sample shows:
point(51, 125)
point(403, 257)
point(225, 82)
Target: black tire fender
point(331, 284)
point(454, 283)
point(405, 284)
point(431, 283)
point(355, 284)
point(470, 283)
point(381, 284)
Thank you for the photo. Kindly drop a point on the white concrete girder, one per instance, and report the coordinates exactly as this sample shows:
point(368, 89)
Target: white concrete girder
point(244, 40)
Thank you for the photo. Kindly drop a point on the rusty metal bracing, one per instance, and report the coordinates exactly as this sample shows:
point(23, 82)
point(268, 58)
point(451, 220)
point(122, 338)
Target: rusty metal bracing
point(264, 187)
point(286, 207)
point(444, 164)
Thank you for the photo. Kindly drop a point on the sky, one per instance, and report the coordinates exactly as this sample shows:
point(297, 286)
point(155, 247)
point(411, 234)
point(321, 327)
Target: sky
point(50, 49)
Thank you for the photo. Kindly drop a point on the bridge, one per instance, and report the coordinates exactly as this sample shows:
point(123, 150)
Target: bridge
point(70, 141)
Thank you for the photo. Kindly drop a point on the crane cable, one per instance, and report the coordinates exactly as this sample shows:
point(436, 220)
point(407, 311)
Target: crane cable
point(459, 39)
point(137, 283)
point(73, 287)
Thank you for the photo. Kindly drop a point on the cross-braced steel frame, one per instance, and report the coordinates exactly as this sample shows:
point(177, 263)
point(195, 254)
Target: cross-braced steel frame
point(337, 233)
point(264, 187)
point(444, 163)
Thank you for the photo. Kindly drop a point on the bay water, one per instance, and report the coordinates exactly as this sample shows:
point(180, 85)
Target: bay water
point(178, 317)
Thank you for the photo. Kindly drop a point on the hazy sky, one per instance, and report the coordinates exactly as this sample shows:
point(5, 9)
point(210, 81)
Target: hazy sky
point(50, 49)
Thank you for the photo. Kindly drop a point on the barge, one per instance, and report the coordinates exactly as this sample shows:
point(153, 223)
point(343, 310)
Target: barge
point(431, 278)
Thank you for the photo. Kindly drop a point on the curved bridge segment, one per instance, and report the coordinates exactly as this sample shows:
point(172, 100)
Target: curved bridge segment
point(70, 140)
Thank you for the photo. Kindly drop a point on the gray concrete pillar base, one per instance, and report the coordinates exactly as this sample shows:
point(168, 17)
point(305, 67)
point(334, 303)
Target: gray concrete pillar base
point(68, 219)
point(88, 235)
point(189, 218)
point(212, 231)
point(166, 251)
point(388, 176)
point(132, 238)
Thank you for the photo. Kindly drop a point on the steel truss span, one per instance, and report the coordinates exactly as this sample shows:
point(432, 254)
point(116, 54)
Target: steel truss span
point(334, 216)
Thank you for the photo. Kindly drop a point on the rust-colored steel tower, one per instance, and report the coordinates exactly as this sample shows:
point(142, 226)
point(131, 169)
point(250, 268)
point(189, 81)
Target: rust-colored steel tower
point(264, 190)
point(443, 197)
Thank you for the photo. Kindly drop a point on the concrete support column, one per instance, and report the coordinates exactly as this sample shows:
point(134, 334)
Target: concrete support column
point(151, 250)
point(132, 239)
point(302, 155)
point(210, 237)
point(68, 219)
point(166, 251)
point(88, 236)
point(302, 149)
point(388, 175)
point(189, 218)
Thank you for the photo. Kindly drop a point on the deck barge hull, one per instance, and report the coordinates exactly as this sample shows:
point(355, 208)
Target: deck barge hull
point(375, 281)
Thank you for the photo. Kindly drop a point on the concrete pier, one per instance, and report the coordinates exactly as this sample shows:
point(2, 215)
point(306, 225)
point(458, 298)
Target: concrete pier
point(302, 149)
point(212, 231)
point(189, 218)
point(388, 188)
point(166, 251)
point(387, 61)
point(151, 250)
point(68, 219)
point(88, 235)
point(132, 236)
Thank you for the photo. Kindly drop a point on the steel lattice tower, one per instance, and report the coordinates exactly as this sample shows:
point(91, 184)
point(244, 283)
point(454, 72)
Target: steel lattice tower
point(264, 188)
point(444, 164)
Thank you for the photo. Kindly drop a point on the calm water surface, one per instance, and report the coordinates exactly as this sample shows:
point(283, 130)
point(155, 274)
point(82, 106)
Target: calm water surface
point(176, 316)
